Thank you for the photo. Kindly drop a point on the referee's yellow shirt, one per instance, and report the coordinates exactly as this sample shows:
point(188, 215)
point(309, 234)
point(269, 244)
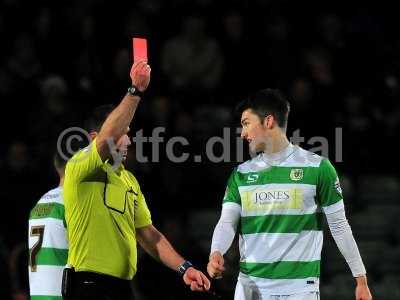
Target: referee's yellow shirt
point(103, 208)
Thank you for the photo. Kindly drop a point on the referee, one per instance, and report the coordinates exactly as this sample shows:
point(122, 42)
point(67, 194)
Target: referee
point(106, 212)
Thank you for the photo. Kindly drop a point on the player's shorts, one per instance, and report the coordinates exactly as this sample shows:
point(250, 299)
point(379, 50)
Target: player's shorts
point(243, 292)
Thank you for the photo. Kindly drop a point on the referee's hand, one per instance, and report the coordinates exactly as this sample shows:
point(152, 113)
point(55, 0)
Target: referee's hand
point(140, 75)
point(196, 280)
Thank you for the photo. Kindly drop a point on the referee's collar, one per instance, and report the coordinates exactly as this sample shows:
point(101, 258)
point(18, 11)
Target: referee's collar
point(111, 168)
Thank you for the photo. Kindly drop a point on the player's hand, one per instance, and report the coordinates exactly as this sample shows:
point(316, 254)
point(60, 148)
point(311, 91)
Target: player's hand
point(140, 75)
point(362, 290)
point(363, 293)
point(196, 280)
point(215, 265)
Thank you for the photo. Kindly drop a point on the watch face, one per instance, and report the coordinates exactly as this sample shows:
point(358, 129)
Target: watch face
point(134, 91)
point(183, 267)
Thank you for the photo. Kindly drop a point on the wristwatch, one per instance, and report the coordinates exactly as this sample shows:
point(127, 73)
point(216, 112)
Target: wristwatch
point(184, 266)
point(134, 91)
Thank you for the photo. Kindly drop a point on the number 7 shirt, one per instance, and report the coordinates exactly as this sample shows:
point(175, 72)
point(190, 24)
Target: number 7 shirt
point(48, 246)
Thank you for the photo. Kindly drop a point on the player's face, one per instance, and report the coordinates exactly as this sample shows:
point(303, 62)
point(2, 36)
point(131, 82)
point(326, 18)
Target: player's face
point(123, 144)
point(253, 131)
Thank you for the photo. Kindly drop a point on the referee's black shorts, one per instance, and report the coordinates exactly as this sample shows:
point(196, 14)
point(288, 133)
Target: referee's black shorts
point(93, 286)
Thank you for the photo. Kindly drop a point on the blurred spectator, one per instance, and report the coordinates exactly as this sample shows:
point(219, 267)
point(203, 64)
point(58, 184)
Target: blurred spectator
point(301, 93)
point(150, 7)
point(320, 67)
point(301, 96)
point(331, 30)
point(50, 116)
point(5, 83)
point(54, 91)
point(19, 167)
point(18, 271)
point(237, 53)
point(136, 23)
point(43, 24)
point(192, 60)
point(89, 70)
point(4, 272)
point(19, 163)
point(23, 63)
point(160, 111)
point(184, 124)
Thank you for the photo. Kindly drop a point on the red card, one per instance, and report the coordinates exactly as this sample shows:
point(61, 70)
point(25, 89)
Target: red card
point(139, 49)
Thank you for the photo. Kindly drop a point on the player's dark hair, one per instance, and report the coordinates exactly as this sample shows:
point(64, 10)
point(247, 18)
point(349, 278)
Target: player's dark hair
point(60, 160)
point(96, 118)
point(267, 102)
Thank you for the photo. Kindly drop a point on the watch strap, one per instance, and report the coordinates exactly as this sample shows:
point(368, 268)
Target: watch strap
point(184, 266)
point(134, 91)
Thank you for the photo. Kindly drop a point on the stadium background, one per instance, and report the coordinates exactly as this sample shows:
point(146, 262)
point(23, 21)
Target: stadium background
point(338, 64)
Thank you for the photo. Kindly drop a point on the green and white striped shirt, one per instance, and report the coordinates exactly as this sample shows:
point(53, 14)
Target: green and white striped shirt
point(280, 228)
point(48, 246)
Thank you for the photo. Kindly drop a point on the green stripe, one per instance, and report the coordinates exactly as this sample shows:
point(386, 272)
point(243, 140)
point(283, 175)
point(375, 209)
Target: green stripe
point(52, 257)
point(232, 192)
point(279, 175)
point(40, 297)
point(48, 210)
point(282, 269)
point(329, 191)
point(281, 223)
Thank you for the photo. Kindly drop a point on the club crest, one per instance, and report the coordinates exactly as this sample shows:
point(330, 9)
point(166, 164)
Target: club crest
point(296, 174)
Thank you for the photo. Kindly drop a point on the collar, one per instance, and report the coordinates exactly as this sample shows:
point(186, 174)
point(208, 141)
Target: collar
point(277, 158)
point(109, 167)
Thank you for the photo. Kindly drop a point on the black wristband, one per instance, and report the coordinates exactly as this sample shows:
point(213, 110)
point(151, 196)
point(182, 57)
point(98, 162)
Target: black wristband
point(183, 267)
point(134, 91)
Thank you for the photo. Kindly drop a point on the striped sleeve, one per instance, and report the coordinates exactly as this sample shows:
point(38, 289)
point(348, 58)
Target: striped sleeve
point(329, 192)
point(232, 191)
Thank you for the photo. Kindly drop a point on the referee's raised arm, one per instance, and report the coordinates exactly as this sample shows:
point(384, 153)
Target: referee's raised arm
point(117, 123)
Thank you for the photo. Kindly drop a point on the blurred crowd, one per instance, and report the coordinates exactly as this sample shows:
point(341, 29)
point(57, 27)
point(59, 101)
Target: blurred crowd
point(338, 64)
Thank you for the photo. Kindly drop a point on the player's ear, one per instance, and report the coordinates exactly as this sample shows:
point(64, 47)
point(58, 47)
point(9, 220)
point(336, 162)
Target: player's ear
point(93, 135)
point(269, 121)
